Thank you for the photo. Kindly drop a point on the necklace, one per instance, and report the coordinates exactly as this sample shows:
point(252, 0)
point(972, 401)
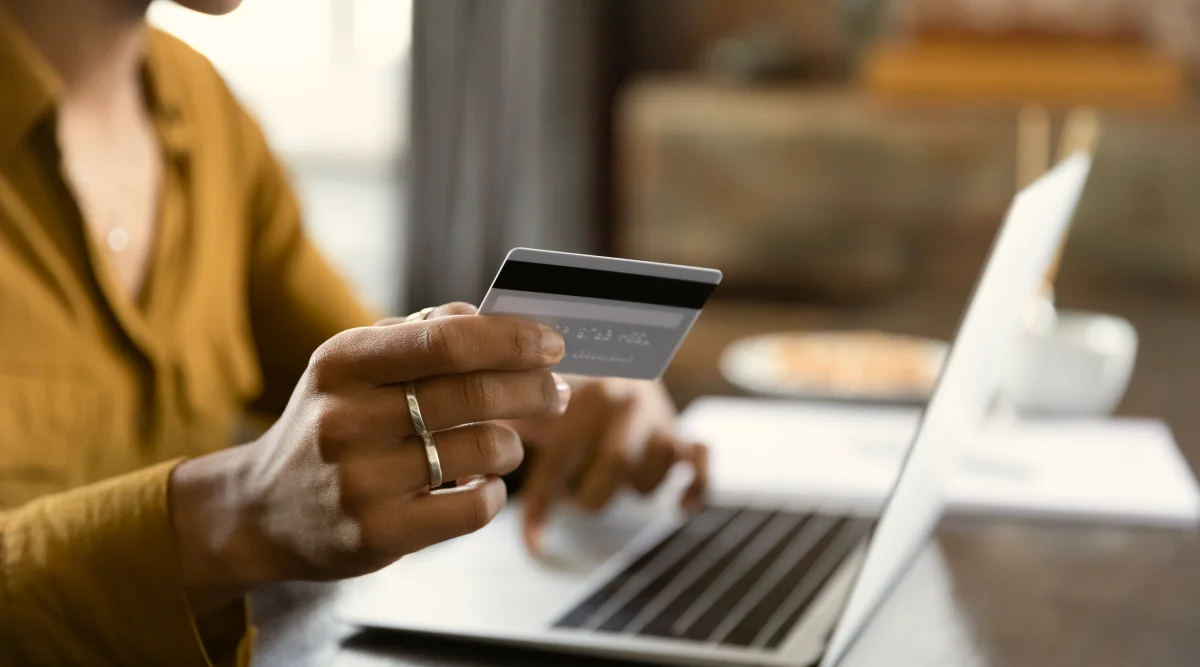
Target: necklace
point(118, 239)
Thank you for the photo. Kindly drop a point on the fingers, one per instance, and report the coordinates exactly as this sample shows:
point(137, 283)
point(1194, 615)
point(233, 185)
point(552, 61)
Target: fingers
point(443, 346)
point(449, 309)
point(697, 492)
point(661, 453)
point(401, 468)
point(378, 419)
point(452, 400)
point(444, 515)
point(444, 310)
point(560, 455)
point(612, 464)
point(485, 396)
point(546, 483)
point(478, 450)
point(426, 519)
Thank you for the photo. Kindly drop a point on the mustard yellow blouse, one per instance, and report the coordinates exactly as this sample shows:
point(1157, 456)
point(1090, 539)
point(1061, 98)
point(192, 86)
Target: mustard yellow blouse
point(94, 384)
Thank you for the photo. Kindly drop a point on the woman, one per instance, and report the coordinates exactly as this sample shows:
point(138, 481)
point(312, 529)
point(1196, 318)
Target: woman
point(155, 282)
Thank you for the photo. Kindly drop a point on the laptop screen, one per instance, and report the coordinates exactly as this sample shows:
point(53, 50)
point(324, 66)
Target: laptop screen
point(1021, 255)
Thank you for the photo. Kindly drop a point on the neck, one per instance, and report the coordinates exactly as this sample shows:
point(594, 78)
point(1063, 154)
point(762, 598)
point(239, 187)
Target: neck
point(95, 46)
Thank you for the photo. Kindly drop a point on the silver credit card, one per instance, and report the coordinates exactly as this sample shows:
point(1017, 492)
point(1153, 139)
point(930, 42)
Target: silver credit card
point(620, 317)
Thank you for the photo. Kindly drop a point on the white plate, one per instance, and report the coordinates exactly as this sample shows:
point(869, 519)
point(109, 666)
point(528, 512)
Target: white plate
point(835, 365)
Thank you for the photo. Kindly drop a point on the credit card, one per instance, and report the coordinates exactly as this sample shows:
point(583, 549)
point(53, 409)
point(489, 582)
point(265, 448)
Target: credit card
point(619, 317)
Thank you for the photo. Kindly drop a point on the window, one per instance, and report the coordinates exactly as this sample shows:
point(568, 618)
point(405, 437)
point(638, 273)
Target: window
point(326, 77)
point(327, 80)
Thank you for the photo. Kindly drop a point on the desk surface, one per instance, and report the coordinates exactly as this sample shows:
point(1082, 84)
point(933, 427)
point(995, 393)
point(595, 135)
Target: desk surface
point(987, 593)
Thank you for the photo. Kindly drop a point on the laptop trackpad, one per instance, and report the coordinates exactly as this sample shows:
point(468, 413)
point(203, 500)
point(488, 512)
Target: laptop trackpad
point(580, 543)
point(489, 583)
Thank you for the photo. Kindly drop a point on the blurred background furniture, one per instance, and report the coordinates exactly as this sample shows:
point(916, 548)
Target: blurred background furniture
point(820, 184)
point(1116, 53)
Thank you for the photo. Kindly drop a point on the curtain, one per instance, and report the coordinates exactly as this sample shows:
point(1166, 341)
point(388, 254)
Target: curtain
point(502, 140)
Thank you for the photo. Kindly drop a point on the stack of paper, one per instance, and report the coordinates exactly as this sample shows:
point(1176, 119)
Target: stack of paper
point(1123, 470)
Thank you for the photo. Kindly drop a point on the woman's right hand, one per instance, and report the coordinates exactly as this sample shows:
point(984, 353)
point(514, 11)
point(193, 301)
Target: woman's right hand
point(339, 486)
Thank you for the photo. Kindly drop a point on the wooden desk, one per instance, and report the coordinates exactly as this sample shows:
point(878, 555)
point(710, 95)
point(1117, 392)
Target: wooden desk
point(991, 593)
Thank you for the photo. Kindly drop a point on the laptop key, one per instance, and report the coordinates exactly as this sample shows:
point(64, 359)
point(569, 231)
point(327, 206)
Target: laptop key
point(774, 630)
point(647, 582)
point(730, 577)
point(661, 625)
point(583, 613)
point(802, 550)
point(724, 546)
point(699, 622)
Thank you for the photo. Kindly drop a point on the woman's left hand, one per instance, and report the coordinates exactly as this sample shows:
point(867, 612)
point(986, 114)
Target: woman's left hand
point(614, 433)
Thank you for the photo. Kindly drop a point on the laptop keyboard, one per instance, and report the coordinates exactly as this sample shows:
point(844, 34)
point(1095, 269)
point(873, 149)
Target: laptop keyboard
point(738, 577)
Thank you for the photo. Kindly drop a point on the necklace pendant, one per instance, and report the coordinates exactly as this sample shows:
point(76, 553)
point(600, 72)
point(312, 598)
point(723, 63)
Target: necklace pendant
point(118, 240)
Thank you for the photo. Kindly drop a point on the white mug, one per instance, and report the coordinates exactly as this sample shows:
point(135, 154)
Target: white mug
point(1071, 363)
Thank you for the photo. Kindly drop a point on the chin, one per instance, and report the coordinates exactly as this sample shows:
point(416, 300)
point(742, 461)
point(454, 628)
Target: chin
point(213, 7)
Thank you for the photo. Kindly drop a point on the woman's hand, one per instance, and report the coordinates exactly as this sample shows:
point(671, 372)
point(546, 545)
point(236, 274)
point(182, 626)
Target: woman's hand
point(338, 486)
point(614, 433)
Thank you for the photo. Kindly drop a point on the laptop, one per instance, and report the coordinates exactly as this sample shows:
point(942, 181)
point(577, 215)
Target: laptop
point(748, 581)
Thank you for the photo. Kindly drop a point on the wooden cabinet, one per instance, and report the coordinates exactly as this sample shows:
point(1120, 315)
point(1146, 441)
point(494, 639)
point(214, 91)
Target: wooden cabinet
point(823, 194)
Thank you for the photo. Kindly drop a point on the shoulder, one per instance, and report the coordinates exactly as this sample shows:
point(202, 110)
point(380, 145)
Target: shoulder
point(184, 75)
point(187, 79)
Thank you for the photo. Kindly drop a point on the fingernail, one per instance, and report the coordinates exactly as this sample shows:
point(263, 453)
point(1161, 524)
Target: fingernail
point(553, 345)
point(564, 391)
